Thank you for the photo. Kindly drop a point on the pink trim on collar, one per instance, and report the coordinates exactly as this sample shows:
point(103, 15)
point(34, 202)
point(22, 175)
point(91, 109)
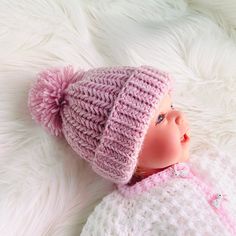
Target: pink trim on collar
point(182, 170)
point(179, 169)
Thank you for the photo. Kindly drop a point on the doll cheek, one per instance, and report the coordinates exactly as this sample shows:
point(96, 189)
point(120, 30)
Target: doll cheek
point(162, 149)
point(167, 149)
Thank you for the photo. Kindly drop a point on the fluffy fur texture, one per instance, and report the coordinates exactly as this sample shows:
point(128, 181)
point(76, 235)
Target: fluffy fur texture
point(44, 188)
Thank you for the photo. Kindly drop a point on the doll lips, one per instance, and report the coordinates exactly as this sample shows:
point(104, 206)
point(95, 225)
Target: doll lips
point(184, 138)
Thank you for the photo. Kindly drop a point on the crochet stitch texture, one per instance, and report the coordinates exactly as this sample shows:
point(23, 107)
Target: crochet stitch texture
point(177, 201)
point(103, 113)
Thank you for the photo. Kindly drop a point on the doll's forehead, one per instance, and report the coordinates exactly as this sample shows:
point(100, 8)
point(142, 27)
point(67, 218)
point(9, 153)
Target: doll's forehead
point(164, 103)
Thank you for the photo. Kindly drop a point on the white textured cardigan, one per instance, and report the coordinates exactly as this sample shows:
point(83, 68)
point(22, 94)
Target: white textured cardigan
point(182, 200)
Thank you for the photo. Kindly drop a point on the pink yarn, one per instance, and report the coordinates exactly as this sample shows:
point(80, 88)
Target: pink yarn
point(103, 115)
point(47, 96)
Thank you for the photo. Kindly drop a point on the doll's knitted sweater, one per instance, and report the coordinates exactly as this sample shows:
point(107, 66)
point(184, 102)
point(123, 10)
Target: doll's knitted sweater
point(186, 199)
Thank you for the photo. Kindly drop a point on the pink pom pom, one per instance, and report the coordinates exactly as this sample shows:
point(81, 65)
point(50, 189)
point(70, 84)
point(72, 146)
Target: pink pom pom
point(46, 97)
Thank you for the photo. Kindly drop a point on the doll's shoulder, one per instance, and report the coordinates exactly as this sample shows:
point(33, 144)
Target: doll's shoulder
point(218, 166)
point(110, 209)
point(108, 205)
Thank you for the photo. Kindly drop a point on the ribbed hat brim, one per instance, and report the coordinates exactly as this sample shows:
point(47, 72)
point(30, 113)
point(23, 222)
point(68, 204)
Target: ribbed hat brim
point(117, 153)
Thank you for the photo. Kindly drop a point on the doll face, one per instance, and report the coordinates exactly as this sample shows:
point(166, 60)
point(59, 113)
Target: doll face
point(162, 145)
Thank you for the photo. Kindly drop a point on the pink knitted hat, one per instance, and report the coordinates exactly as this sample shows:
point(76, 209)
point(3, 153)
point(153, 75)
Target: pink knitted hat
point(103, 113)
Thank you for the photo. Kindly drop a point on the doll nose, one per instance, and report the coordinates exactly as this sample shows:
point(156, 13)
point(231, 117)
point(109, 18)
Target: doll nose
point(180, 119)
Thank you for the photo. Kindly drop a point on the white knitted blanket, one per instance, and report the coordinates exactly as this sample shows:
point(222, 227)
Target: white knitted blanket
point(44, 189)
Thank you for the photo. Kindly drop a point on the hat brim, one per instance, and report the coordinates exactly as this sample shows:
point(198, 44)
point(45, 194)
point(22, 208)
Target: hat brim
point(117, 153)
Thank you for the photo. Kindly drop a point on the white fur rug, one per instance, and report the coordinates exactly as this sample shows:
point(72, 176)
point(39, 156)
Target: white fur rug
point(44, 188)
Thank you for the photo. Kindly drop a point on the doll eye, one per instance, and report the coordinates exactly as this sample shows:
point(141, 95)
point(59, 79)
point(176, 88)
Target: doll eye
point(162, 116)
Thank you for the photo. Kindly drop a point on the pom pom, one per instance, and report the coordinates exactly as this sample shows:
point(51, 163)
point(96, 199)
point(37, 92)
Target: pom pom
point(47, 96)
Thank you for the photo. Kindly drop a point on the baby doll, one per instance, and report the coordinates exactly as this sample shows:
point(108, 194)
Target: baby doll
point(122, 121)
point(166, 141)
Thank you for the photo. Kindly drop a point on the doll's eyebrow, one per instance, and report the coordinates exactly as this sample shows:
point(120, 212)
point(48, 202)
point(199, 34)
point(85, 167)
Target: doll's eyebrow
point(163, 113)
point(169, 106)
